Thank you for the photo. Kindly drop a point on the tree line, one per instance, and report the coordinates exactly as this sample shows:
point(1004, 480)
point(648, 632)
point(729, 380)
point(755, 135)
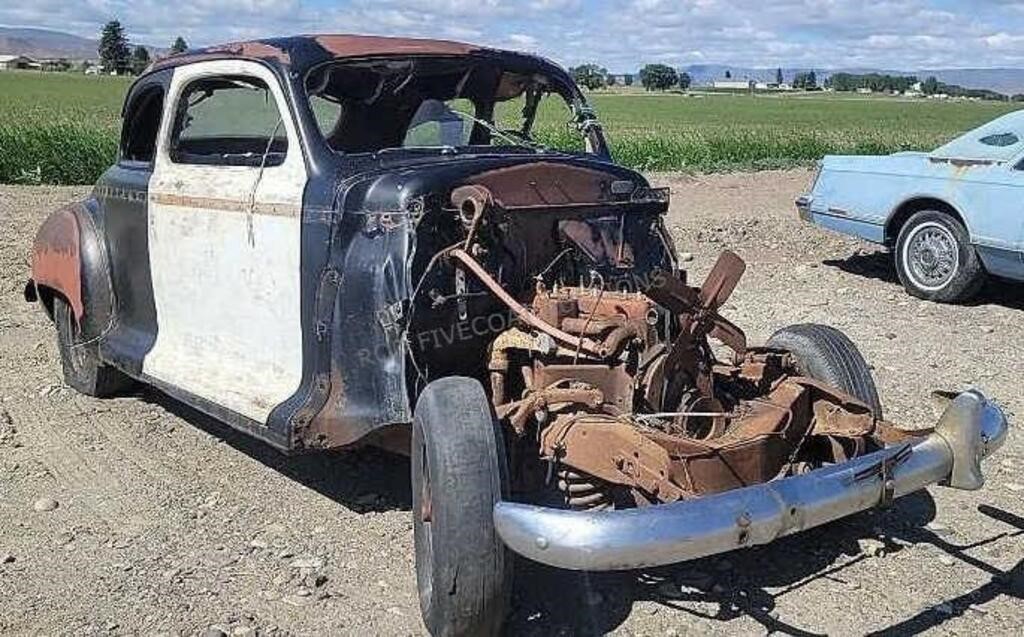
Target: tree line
point(653, 77)
point(661, 77)
point(118, 55)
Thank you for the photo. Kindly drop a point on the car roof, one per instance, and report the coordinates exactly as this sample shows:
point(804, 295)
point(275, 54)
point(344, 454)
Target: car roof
point(301, 52)
point(1002, 139)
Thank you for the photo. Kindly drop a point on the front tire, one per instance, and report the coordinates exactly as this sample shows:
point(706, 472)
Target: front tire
point(463, 570)
point(83, 370)
point(826, 354)
point(935, 259)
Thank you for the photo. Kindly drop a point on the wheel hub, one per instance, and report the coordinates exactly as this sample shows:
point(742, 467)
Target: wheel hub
point(932, 256)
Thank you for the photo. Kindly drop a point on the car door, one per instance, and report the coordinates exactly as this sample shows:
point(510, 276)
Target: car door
point(122, 193)
point(225, 205)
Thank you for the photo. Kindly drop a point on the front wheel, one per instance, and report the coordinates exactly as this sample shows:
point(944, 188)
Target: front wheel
point(83, 370)
point(463, 570)
point(824, 353)
point(935, 259)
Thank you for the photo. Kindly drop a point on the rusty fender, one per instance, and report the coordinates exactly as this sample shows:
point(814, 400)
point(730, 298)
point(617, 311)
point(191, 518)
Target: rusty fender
point(971, 429)
point(56, 260)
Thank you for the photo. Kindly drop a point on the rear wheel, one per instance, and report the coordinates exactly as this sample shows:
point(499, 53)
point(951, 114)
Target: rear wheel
point(463, 570)
point(83, 370)
point(935, 259)
point(826, 354)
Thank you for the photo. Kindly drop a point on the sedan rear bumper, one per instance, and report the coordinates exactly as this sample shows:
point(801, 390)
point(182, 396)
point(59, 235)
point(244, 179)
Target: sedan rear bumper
point(803, 207)
point(971, 429)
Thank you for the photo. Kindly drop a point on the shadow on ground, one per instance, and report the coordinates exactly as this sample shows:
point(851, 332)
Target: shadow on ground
point(549, 601)
point(362, 480)
point(879, 265)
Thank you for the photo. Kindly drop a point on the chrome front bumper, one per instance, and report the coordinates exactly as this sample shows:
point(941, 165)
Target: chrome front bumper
point(971, 429)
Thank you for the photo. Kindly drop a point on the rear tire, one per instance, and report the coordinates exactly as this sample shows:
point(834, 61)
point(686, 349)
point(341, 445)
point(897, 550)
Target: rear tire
point(935, 259)
point(463, 569)
point(826, 354)
point(83, 370)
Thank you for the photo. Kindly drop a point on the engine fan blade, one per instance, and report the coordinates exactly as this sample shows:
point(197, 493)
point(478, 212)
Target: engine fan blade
point(722, 280)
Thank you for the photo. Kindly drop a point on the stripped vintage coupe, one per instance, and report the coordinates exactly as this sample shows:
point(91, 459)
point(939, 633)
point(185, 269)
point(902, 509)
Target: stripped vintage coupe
point(329, 241)
point(950, 216)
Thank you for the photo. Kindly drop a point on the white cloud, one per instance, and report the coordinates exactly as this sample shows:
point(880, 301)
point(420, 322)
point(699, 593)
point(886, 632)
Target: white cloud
point(619, 34)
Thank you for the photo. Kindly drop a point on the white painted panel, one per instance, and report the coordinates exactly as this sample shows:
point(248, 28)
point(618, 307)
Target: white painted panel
point(224, 254)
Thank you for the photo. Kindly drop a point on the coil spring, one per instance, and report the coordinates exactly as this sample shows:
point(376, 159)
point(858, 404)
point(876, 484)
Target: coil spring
point(584, 492)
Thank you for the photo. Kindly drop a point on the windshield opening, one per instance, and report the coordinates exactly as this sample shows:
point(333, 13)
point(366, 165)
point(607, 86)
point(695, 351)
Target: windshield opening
point(444, 103)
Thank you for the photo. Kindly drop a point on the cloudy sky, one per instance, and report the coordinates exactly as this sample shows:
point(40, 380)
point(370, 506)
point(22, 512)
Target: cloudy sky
point(619, 34)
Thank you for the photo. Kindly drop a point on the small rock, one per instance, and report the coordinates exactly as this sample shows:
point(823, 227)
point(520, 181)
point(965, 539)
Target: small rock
point(871, 547)
point(937, 528)
point(303, 592)
point(987, 329)
point(171, 573)
point(977, 609)
point(946, 560)
point(258, 543)
point(243, 631)
point(307, 563)
point(395, 610)
point(45, 504)
point(1014, 487)
point(686, 257)
point(6, 558)
point(215, 631)
point(652, 609)
point(671, 632)
point(852, 585)
point(890, 335)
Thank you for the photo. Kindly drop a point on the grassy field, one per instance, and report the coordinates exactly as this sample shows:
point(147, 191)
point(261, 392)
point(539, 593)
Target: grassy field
point(63, 128)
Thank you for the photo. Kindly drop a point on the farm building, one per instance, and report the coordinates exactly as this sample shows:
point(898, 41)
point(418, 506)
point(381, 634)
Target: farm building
point(743, 85)
point(12, 62)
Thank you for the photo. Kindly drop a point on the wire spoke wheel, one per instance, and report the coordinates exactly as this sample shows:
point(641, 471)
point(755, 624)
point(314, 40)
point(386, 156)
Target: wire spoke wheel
point(932, 256)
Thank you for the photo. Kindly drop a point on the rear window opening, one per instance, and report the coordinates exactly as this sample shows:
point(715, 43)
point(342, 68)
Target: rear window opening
point(373, 105)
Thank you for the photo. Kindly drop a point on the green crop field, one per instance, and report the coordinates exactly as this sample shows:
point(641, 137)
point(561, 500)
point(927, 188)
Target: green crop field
point(63, 128)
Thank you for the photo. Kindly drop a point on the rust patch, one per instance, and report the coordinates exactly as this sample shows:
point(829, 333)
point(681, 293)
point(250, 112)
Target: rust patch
point(252, 49)
point(612, 451)
point(346, 45)
point(227, 205)
point(546, 184)
point(56, 261)
point(962, 163)
point(326, 429)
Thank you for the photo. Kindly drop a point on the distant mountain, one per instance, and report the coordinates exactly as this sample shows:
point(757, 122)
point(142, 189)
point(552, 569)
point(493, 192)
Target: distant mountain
point(1008, 81)
point(43, 43)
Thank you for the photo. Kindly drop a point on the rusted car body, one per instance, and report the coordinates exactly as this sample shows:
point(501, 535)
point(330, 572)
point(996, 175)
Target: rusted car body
point(311, 271)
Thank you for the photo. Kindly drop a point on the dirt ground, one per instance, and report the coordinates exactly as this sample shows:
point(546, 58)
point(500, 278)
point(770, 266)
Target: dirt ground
point(169, 523)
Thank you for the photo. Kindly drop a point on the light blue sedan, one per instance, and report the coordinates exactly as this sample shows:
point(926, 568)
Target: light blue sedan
point(951, 216)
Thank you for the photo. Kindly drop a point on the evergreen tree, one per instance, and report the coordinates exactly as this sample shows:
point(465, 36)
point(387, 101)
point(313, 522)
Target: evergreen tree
point(113, 48)
point(140, 60)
